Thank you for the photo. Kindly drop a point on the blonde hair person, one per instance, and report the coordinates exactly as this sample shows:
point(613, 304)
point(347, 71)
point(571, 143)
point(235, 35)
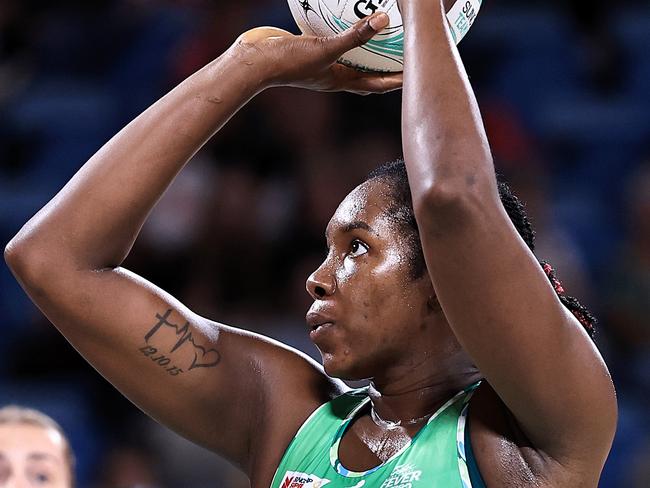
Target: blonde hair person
point(34, 450)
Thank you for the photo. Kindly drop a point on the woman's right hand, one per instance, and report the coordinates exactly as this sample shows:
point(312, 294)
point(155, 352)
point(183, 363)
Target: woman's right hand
point(285, 59)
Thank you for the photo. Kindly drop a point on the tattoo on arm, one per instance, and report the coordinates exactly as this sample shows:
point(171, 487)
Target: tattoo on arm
point(203, 357)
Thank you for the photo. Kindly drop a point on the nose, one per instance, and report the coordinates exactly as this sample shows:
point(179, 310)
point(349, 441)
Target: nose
point(321, 283)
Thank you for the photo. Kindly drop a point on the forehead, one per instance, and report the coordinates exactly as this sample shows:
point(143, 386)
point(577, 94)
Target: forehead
point(26, 439)
point(368, 203)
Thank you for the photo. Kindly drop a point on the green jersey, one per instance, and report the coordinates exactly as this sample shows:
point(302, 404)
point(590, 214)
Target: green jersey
point(438, 456)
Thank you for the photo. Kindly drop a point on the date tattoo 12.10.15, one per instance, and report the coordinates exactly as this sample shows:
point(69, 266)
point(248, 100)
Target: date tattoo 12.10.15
point(203, 357)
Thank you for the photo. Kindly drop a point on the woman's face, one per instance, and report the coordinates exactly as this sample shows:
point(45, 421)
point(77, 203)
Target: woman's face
point(368, 311)
point(32, 456)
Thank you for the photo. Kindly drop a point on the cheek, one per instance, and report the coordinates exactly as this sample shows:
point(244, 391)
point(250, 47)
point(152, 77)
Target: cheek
point(392, 282)
point(347, 271)
point(379, 292)
point(393, 305)
point(353, 279)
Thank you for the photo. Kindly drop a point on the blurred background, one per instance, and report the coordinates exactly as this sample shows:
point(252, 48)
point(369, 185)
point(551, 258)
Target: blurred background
point(564, 87)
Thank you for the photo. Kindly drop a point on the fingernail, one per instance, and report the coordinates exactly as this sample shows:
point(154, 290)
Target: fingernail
point(379, 21)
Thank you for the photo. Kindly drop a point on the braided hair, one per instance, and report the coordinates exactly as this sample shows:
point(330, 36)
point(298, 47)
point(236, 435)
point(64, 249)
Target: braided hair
point(401, 210)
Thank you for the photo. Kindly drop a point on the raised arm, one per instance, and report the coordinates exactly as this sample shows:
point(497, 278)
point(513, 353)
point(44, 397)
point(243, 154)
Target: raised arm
point(493, 292)
point(226, 389)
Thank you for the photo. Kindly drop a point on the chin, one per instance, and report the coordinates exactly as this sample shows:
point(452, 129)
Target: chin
point(343, 368)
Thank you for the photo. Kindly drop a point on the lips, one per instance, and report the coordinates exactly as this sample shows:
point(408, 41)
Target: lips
point(318, 323)
point(317, 319)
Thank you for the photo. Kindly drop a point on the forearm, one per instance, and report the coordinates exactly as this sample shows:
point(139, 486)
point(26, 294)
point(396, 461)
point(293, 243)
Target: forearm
point(94, 220)
point(443, 136)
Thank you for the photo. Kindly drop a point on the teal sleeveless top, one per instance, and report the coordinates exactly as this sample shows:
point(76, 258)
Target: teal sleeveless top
point(438, 456)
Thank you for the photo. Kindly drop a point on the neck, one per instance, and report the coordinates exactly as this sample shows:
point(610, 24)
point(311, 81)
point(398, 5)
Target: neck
point(412, 396)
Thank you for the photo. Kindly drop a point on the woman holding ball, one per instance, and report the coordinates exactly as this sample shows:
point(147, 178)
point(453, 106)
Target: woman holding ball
point(482, 370)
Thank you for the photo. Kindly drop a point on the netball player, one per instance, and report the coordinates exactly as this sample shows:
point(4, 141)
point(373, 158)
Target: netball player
point(479, 371)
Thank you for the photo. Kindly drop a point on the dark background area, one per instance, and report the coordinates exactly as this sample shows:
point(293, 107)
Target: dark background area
point(564, 87)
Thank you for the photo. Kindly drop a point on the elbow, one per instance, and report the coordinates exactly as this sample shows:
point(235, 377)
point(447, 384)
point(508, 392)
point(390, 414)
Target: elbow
point(26, 260)
point(14, 255)
point(451, 179)
point(433, 196)
point(454, 197)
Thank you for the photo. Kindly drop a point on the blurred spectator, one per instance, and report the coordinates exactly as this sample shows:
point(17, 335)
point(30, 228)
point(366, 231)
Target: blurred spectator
point(34, 450)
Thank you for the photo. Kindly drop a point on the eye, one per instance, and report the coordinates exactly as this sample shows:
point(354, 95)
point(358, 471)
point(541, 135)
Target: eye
point(357, 248)
point(41, 478)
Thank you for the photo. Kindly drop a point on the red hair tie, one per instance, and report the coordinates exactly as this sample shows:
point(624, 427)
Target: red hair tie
point(583, 320)
point(548, 269)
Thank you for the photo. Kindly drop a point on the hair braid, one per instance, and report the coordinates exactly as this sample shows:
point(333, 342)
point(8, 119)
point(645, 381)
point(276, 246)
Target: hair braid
point(584, 316)
point(517, 213)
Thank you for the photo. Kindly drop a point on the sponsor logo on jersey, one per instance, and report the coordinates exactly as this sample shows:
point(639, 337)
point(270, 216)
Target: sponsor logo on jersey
point(403, 476)
point(296, 479)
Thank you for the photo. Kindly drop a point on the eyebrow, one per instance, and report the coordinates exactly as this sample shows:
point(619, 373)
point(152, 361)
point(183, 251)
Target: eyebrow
point(350, 226)
point(41, 456)
point(357, 224)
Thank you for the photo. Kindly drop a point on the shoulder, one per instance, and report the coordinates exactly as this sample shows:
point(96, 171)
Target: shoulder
point(291, 386)
point(506, 457)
